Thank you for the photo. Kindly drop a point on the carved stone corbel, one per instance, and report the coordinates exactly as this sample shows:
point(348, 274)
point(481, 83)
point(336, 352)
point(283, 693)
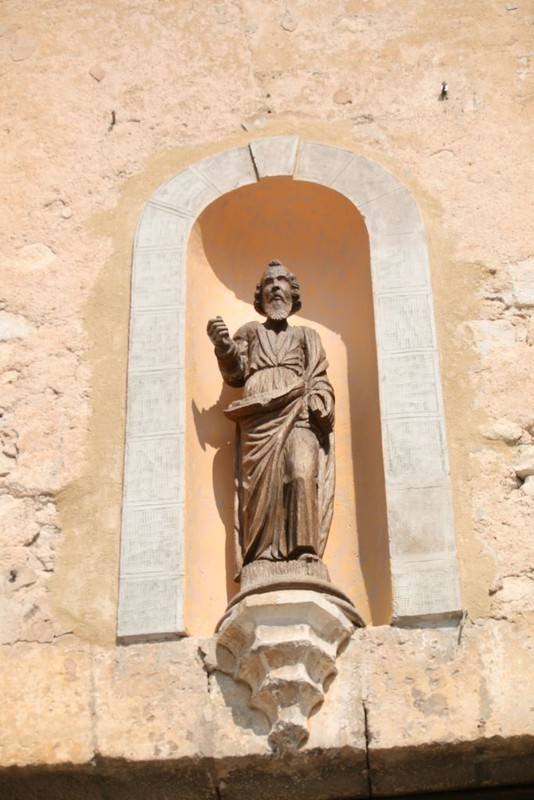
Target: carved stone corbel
point(284, 645)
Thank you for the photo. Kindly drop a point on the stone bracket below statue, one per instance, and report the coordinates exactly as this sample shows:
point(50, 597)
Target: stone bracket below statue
point(284, 645)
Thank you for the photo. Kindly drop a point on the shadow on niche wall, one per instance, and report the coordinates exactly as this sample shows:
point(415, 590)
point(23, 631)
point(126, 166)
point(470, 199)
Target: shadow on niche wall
point(322, 238)
point(213, 428)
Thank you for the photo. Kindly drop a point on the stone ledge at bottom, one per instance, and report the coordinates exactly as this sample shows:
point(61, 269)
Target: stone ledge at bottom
point(443, 768)
point(309, 776)
point(316, 776)
point(440, 713)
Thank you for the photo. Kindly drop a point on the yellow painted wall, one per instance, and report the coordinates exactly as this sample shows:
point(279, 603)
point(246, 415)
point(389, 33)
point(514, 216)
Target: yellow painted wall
point(320, 236)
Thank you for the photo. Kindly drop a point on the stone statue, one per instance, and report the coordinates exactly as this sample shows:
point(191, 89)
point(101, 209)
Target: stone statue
point(284, 460)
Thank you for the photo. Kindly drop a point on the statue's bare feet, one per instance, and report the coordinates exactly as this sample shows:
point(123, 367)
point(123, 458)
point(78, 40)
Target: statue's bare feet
point(308, 557)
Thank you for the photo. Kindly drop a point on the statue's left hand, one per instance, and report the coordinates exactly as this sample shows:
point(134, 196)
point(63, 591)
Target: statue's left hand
point(323, 417)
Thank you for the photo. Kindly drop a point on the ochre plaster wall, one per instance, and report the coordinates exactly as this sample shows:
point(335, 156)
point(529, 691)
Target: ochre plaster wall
point(186, 80)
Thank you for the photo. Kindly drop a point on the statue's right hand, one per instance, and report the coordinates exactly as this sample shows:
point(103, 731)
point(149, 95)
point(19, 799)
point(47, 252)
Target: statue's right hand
point(218, 333)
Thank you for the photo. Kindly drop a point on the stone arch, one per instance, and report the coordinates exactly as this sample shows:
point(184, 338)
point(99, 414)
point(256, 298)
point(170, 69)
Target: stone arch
point(419, 509)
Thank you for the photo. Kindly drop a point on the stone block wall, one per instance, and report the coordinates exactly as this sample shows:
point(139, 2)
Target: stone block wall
point(102, 103)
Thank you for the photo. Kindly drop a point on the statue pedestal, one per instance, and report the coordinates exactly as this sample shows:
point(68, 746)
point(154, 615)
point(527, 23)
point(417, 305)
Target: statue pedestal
point(261, 573)
point(284, 644)
point(268, 576)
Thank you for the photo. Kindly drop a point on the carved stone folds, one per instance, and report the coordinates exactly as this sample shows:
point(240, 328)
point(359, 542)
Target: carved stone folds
point(284, 645)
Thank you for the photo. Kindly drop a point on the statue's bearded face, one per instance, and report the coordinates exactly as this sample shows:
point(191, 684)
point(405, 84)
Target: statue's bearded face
point(276, 293)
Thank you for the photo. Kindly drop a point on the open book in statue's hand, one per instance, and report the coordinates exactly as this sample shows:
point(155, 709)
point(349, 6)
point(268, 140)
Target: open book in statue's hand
point(266, 401)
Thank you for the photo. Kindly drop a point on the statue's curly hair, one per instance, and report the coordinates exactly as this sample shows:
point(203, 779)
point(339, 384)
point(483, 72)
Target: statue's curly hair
point(295, 290)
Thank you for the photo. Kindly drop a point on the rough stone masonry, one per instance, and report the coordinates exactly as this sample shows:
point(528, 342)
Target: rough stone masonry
point(411, 709)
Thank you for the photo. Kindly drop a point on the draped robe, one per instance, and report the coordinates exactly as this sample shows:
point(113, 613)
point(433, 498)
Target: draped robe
point(284, 464)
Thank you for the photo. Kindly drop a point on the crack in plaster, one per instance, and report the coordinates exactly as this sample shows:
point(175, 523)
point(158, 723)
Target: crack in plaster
point(367, 734)
point(255, 166)
point(92, 709)
point(203, 655)
point(461, 626)
point(20, 492)
point(45, 642)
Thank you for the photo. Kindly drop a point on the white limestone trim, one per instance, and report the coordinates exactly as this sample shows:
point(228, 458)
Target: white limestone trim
point(421, 531)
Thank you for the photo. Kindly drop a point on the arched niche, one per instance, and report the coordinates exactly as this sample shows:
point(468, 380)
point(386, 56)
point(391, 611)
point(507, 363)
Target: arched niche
point(411, 505)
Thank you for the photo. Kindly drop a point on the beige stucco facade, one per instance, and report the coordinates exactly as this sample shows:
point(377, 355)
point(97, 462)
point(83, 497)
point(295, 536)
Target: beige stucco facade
point(183, 81)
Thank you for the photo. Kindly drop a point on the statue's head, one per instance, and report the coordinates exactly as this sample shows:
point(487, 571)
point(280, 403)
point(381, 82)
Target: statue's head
point(277, 294)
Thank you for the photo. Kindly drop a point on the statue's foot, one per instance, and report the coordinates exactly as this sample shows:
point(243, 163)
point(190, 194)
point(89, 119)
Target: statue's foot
point(308, 557)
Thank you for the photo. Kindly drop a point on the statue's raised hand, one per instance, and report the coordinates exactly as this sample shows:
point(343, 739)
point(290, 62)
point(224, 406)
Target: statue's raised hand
point(219, 334)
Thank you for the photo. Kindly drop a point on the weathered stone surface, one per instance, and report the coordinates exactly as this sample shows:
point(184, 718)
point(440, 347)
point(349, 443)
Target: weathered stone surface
point(509, 432)
point(98, 73)
point(408, 701)
point(161, 228)
point(289, 22)
point(180, 781)
point(522, 275)
point(63, 388)
point(188, 191)
point(6, 464)
point(12, 522)
point(467, 716)
point(320, 163)
point(362, 181)
point(46, 705)
point(393, 215)
point(34, 257)
point(12, 326)
point(150, 702)
point(524, 463)
point(275, 156)
point(284, 645)
point(22, 46)
point(151, 589)
point(492, 335)
point(515, 594)
point(313, 778)
point(228, 171)
point(342, 97)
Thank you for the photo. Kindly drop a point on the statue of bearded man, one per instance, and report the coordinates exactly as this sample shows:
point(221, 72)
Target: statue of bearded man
point(284, 459)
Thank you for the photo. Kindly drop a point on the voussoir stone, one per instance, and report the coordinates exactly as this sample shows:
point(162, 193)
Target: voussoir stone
point(275, 155)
